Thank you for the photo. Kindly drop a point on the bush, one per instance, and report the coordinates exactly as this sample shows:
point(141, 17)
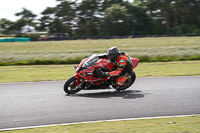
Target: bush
point(28, 35)
point(185, 30)
point(43, 62)
point(6, 36)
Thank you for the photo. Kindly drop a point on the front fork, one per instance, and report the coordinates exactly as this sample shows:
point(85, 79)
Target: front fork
point(79, 79)
point(80, 84)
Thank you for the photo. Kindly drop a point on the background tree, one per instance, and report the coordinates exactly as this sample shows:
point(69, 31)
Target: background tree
point(114, 17)
point(161, 10)
point(26, 14)
point(6, 25)
point(140, 23)
point(173, 13)
point(27, 18)
point(116, 20)
point(66, 15)
point(59, 19)
point(88, 17)
point(47, 18)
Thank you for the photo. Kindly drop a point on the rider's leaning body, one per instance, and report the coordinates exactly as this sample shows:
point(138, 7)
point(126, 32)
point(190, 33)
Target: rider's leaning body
point(124, 65)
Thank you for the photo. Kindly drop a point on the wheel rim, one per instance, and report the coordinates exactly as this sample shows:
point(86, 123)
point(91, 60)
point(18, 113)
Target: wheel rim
point(72, 87)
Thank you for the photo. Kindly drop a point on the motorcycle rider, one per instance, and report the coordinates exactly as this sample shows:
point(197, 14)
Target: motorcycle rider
point(123, 63)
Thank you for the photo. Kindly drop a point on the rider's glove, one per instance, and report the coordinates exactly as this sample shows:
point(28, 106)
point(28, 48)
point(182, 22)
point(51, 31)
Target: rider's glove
point(105, 74)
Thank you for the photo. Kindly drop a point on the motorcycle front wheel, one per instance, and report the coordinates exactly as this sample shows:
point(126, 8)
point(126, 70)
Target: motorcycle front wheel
point(127, 84)
point(70, 86)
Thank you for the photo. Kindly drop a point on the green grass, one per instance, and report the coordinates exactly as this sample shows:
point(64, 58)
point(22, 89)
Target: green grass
point(190, 124)
point(35, 73)
point(63, 72)
point(72, 51)
point(168, 69)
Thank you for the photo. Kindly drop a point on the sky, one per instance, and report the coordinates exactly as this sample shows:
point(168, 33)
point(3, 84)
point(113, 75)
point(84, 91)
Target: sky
point(8, 8)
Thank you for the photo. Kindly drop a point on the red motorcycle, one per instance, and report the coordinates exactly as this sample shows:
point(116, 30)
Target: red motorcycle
point(88, 75)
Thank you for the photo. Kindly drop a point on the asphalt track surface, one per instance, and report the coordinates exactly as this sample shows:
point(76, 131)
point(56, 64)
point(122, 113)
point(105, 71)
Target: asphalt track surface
point(44, 103)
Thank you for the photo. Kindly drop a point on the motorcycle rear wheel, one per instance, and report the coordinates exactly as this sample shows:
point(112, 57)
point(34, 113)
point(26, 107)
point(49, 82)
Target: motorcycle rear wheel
point(126, 84)
point(70, 86)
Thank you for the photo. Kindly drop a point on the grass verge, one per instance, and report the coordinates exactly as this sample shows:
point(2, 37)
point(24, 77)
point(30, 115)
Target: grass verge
point(189, 124)
point(63, 72)
point(72, 51)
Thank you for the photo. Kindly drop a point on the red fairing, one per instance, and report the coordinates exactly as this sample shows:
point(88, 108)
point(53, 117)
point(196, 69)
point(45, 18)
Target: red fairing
point(106, 63)
point(135, 61)
point(78, 79)
point(79, 66)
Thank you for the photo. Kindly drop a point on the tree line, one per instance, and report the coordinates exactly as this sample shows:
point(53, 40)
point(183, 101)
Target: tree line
point(112, 18)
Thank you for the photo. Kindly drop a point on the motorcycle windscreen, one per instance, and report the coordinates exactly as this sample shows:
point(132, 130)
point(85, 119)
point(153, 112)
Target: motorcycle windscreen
point(91, 61)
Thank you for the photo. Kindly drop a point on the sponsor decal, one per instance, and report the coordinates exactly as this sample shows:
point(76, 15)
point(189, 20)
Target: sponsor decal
point(108, 61)
point(121, 61)
point(119, 83)
point(90, 73)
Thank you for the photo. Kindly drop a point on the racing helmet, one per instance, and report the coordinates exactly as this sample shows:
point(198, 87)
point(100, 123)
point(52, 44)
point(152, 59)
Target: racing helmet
point(113, 53)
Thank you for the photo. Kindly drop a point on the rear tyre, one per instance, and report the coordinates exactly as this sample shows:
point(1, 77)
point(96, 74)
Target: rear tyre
point(127, 84)
point(70, 86)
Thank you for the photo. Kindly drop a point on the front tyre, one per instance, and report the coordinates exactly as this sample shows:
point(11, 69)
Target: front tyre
point(128, 83)
point(70, 86)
